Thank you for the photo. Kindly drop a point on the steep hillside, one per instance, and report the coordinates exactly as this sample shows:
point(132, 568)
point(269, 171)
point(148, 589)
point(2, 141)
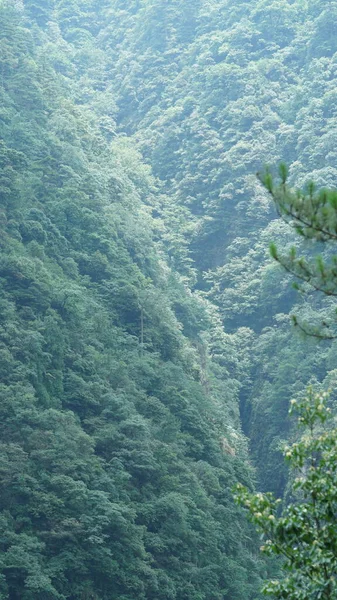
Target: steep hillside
point(120, 433)
point(142, 320)
point(211, 91)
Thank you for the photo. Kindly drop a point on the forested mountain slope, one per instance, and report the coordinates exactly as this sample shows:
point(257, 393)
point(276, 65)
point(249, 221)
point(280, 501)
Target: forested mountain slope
point(139, 305)
point(120, 433)
point(211, 91)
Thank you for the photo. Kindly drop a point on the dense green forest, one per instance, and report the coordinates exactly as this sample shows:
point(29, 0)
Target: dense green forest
point(146, 353)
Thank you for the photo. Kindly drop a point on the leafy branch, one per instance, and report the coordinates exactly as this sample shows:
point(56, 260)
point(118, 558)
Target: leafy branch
point(305, 533)
point(313, 214)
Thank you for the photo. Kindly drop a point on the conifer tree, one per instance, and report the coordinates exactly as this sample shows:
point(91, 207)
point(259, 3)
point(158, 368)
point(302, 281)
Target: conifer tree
point(313, 214)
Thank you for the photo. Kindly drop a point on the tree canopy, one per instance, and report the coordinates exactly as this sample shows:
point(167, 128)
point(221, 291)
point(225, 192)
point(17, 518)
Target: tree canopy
point(304, 534)
point(143, 328)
